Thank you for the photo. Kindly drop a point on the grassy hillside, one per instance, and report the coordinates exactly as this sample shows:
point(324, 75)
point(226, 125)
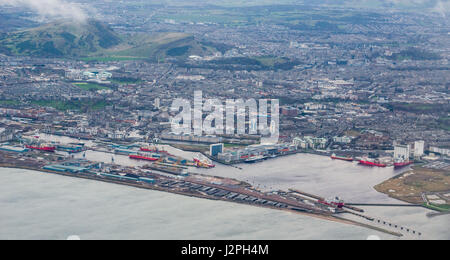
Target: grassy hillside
point(158, 47)
point(61, 39)
point(95, 41)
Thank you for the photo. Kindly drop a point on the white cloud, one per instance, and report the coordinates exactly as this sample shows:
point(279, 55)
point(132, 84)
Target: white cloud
point(50, 8)
point(442, 7)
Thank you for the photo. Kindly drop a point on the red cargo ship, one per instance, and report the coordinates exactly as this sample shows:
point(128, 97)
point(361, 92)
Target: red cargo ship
point(367, 162)
point(348, 159)
point(154, 150)
point(44, 148)
point(402, 163)
point(335, 202)
point(144, 157)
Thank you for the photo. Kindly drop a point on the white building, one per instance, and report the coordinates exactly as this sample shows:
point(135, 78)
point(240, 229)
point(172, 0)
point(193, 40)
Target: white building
point(6, 135)
point(342, 139)
point(402, 152)
point(157, 103)
point(310, 142)
point(419, 148)
point(441, 151)
point(300, 143)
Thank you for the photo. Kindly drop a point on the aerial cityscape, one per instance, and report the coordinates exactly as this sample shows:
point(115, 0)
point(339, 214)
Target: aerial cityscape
point(330, 116)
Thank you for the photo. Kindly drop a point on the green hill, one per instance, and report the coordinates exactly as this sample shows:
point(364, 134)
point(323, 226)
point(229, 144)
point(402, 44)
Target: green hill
point(61, 39)
point(94, 40)
point(160, 46)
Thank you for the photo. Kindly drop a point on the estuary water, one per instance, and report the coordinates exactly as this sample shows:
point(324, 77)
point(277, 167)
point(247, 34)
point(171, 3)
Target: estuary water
point(36, 205)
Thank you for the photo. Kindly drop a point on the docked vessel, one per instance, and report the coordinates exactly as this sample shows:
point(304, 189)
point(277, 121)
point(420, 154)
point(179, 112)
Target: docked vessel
point(335, 202)
point(255, 159)
point(70, 148)
point(154, 149)
point(202, 162)
point(145, 157)
point(42, 147)
point(15, 149)
point(348, 159)
point(168, 168)
point(372, 163)
point(400, 163)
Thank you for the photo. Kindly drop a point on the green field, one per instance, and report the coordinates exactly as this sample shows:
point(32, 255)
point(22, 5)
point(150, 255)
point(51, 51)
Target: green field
point(234, 145)
point(111, 58)
point(419, 108)
point(71, 105)
point(444, 123)
point(124, 81)
point(90, 86)
point(441, 208)
point(9, 102)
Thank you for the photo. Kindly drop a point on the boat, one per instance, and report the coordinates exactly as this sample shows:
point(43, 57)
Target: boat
point(202, 162)
point(255, 159)
point(16, 149)
point(42, 147)
point(348, 158)
point(400, 163)
point(335, 202)
point(154, 149)
point(168, 169)
point(372, 163)
point(70, 148)
point(145, 157)
point(124, 151)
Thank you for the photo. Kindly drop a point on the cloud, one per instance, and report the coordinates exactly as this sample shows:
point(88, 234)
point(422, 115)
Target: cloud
point(50, 8)
point(442, 7)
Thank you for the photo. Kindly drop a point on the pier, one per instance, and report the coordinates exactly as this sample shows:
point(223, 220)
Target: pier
point(383, 205)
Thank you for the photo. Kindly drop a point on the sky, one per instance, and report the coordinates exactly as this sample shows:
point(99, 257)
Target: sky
point(50, 8)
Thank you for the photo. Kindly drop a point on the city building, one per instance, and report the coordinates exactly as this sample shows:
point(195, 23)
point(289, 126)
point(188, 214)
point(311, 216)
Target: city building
point(441, 151)
point(157, 103)
point(342, 139)
point(6, 135)
point(215, 149)
point(419, 148)
point(402, 152)
point(289, 111)
point(310, 142)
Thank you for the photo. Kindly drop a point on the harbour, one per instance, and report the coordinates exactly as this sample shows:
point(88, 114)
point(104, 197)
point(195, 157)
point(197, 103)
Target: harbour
point(229, 184)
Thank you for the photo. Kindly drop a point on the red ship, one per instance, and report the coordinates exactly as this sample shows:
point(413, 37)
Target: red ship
point(348, 159)
point(367, 162)
point(335, 202)
point(41, 148)
point(402, 163)
point(152, 157)
point(154, 150)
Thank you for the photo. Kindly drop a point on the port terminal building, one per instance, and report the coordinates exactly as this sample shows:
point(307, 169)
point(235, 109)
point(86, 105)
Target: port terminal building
point(242, 154)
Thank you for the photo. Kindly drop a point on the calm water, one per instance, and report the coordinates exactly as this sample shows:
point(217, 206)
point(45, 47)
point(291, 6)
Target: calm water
point(36, 205)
